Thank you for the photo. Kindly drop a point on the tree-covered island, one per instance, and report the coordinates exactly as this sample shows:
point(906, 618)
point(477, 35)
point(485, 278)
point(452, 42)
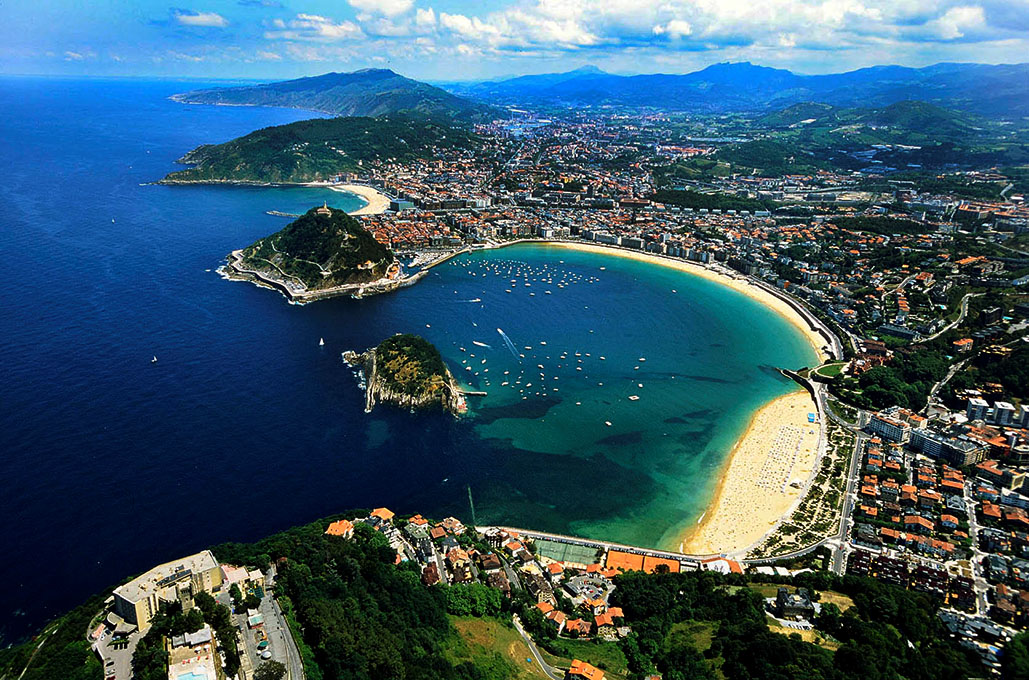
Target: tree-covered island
point(407, 371)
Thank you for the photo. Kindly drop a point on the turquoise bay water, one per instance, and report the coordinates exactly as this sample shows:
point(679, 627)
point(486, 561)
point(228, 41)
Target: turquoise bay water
point(588, 332)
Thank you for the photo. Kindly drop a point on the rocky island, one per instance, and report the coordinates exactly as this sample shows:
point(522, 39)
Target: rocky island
point(322, 253)
point(408, 371)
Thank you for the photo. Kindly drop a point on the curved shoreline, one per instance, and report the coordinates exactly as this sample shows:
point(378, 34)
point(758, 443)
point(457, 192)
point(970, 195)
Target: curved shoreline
point(767, 472)
point(376, 202)
point(744, 508)
point(812, 329)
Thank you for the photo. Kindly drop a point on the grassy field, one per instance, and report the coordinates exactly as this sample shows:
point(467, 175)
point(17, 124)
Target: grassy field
point(481, 639)
point(830, 370)
point(825, 596)
point(812, 636)
point(605, 655)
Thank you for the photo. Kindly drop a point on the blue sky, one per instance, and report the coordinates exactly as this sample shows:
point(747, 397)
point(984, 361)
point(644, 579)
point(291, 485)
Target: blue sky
point(460, 39)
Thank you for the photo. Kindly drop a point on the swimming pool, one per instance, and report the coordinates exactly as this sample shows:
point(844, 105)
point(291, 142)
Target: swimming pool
point(191, 676)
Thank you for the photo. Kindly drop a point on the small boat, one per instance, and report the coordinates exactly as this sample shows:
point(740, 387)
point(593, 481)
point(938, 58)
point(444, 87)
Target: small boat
point(321, 342)
point(154, 360)
point(634, 397)
point(608, 423)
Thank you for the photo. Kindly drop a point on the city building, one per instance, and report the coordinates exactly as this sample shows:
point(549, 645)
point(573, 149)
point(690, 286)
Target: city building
point(140, 599)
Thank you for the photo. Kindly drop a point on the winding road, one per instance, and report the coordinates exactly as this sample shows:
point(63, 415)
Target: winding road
point(552, 673)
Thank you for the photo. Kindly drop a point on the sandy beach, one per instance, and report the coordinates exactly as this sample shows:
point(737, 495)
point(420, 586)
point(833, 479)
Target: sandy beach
point(768, 468)
point(766, 473)
point(740, 284)
point(376, 201)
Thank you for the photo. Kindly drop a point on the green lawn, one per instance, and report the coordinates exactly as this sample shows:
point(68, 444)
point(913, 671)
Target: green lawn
point(605, 655)
point(488, 642)
point(830, 370)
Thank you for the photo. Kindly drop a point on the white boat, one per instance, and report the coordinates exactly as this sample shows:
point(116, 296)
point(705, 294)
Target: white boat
point(321, 342)
point(154, 360)
point(608, 423)
point(634, 397)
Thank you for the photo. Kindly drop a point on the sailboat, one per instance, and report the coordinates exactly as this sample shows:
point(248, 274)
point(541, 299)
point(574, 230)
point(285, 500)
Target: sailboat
point(154, 360)
point(321, 342)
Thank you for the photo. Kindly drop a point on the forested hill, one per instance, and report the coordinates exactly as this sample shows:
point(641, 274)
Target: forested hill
point(312, 150)
point(368, 92)
point(324, 248)
point(358, 615)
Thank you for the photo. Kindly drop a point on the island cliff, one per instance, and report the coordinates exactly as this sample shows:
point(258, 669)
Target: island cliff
point(408, 371)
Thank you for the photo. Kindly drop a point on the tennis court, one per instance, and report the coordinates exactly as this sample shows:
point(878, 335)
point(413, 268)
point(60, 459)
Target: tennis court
point(566, 552)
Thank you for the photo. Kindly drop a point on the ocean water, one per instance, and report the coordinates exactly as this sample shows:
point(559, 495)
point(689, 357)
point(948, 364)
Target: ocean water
point(110, 463)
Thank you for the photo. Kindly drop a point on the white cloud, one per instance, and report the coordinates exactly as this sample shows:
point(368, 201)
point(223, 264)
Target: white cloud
point(425, 18)
point(957, 23)
point(674, 29)
point(182, 56)
point(315, 28)
point(192, 18)
point(386, 7)
point(268, 56)
point(79, 56)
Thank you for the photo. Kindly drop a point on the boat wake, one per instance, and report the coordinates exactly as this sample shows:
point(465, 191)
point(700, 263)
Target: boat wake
point(508, 343)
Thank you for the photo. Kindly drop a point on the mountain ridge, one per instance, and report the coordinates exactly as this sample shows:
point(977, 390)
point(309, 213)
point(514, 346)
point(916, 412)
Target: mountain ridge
point(991, 90)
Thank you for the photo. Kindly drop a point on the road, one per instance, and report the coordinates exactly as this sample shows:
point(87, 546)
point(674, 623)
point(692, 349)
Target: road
point(980, 585)
point(838, 565)
point(285, 651)
point(951, 372)
point(552, 673)
point(954, 323)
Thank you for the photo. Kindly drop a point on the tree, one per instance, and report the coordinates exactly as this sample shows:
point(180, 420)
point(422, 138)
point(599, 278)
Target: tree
point(1016, 658)
point(270, 670)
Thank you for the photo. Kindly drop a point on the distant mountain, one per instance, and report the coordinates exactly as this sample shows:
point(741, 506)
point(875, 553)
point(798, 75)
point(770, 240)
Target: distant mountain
point(368, 92)
point(995, 91)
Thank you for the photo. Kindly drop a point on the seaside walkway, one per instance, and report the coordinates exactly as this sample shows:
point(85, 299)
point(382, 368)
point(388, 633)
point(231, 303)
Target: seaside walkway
point(688, 562)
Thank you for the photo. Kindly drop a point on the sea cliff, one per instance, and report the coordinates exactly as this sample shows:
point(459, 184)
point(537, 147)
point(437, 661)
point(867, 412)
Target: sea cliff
point(407, 371)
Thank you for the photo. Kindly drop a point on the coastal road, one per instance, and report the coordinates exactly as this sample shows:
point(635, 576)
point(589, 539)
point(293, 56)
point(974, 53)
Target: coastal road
point(552, 673)
point(590, 543)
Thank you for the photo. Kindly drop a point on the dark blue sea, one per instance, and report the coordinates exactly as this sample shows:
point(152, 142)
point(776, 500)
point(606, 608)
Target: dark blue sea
point(110, 463)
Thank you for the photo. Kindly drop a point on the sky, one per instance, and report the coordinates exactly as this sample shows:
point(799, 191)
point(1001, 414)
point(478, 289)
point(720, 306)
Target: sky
point(450, 40)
